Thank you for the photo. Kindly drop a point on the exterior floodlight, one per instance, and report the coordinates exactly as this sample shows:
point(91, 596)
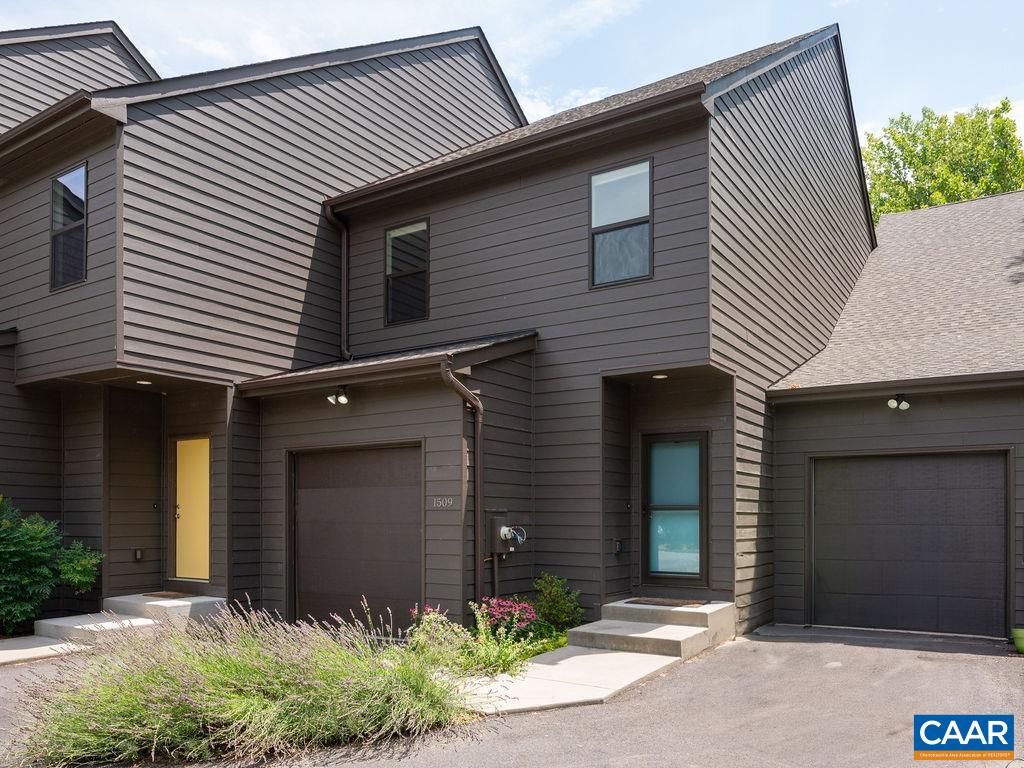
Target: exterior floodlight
point(898, 402)
point(340, 397)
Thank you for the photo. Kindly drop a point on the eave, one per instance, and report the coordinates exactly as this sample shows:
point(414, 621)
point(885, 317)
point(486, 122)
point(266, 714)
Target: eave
point(921, 385)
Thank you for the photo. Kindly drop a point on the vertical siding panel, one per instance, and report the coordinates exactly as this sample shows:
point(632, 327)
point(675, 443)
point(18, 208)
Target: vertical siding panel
point(788, 240)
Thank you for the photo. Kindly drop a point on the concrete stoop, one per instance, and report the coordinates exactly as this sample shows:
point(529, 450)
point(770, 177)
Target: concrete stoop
point(128, 612)
point(681, 631)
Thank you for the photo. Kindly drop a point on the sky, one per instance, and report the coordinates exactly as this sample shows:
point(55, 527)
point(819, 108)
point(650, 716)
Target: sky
point(900, 55)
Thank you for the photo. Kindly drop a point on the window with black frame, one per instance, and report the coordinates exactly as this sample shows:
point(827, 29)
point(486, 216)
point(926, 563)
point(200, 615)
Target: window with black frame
point(620, 224)
point(67, 228)
point(407, 272)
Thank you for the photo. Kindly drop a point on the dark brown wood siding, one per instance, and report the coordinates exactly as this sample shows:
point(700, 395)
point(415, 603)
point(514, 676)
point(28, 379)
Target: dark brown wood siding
point(512, 253)
point(30, 473)
point(506, 390)
point(134, 503)
point(616, 490)
point(82, 440)
point(72, 329)
point(244, 501)
point(230, 269)
point(425, 412)
point(37, 74)
point(948, 422)
point(788, 239)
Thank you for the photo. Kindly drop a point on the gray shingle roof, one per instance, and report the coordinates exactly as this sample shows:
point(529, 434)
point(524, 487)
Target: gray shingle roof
point(359, 365)
point(941, 296)
point(703, 75)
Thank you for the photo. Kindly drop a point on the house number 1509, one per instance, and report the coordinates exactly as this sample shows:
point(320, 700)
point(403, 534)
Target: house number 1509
point(442, 502)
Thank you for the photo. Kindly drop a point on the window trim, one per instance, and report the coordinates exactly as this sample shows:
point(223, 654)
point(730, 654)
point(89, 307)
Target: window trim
point(425, 220)
point(648, 219)
point(84, 223)
point(703, 438)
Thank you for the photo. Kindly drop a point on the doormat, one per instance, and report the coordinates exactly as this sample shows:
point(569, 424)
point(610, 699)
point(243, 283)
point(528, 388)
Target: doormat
point(667, 602)
point(167, 595)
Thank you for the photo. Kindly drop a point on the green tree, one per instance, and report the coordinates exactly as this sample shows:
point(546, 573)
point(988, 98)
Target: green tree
point(935, 159)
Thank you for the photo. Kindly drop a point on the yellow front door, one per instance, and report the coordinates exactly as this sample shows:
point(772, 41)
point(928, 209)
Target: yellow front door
point(192, 510)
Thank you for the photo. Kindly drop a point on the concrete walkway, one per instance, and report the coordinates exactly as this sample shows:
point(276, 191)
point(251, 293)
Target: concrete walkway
point(17, 650)
point(567, 677)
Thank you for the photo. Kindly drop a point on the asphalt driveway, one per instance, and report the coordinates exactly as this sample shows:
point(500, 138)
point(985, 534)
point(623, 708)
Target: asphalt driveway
point(780, 699)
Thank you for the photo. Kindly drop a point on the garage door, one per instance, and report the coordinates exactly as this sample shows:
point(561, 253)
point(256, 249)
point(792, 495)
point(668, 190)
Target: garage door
point(911, 542)
point(358, 532)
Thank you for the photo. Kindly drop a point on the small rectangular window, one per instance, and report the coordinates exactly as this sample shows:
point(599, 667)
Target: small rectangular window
point(67, 228)
point(407, 255)
point(620, 223)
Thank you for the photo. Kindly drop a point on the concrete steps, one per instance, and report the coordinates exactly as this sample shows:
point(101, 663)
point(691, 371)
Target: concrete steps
point(89, 627)
point(681, 631)
point(165, 608)
point(128, 612)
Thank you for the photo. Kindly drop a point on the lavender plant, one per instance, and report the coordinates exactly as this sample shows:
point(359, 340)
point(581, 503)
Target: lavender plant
point(244, 686)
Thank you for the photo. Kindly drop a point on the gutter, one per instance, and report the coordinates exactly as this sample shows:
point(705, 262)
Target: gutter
point(924, 385)
point(342, 227)
point(474, 403)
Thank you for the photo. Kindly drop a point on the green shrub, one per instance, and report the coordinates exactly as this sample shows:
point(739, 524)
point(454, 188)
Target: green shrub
point(496, 650)
point(556, 604)
point(32, 563)
point(242, 686)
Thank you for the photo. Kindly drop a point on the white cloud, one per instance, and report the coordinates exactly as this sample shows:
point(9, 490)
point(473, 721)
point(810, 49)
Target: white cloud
point(183, 36)
point(540, 103)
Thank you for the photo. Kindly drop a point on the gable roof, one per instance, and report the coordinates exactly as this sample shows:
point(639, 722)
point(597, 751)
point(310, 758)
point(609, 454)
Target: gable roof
point(200, 81)
point(391, 364)
point(34, 34)
point(942, 297)
point(704, 81)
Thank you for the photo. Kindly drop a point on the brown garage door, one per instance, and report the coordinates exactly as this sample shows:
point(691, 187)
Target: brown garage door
point(911, 542)
point(358, 531)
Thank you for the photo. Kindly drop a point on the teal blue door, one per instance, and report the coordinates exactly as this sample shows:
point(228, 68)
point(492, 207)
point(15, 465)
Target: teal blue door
point(674, 516)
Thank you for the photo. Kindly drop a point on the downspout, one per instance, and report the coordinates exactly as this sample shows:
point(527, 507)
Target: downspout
point(342, 228)
point(476, 405)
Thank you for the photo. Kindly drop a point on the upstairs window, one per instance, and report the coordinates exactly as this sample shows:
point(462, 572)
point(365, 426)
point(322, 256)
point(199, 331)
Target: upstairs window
point(407, 272)
point(67, 229)
point(620, 224)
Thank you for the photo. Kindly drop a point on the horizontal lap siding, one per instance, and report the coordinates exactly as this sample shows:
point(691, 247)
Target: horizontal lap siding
point(230, 269)
point(82, 427)
point(73, 328)
point(512, 253)
point(134, 492)
point(244, 500)
point(948, 422)
point(203, 412)
point(788, 240)
point(424, 411)
point(506, 389)
point(620, 570)
point(36, 75)
point(29, 444)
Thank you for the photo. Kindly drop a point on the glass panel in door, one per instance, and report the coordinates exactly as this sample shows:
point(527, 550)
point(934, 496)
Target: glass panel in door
point(674, 500)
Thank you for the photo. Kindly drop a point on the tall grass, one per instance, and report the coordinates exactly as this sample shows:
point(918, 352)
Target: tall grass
point(242, 686)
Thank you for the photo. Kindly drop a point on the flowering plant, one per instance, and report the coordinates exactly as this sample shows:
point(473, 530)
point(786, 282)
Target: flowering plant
point(511, 614)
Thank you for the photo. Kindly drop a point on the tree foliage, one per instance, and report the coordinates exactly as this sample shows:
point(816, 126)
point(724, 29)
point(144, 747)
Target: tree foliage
point(935, 159)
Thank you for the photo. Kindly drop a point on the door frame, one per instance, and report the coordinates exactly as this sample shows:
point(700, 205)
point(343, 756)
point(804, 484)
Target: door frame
point(1009, 455)
point(171, 579)
point(703, 437)
point(290, 457)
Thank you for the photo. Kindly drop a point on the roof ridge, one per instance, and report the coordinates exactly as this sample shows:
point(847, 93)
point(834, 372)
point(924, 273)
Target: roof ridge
point(258, 70)
point(952, 202)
